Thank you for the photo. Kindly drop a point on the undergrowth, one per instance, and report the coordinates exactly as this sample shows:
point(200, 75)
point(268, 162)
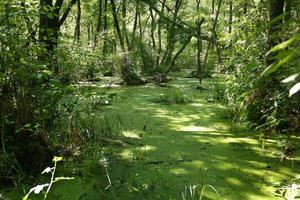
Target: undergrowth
point(174, 96)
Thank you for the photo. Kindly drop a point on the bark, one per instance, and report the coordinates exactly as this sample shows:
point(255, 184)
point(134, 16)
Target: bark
point(159, 34)
point(124, 28)
point(117, 26)
point(152, 29)
point(276, 9)
point(199, 42)
point(50, 22)
point(213, 35)
point(184, 27)
point(184, 45)
point(141, 45)
point(128, 75)
point(66, 12)
point(105, 27)
point(99, 22)
point(89, 31)
point(230, 16)
point(136, 16)
point(166, 60)
point(78, 19)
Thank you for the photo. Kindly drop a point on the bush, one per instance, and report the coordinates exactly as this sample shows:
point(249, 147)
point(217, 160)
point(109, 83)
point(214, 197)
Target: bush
point(173, 96)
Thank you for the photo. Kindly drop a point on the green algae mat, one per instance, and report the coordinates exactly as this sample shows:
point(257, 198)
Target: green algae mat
point(169, 148)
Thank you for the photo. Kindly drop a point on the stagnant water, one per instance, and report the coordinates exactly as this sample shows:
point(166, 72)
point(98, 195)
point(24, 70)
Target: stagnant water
point(171, 147)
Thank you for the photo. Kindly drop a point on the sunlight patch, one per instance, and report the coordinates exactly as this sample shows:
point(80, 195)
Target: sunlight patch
point(131, 134)
point(195, 128)
point(195, 163)
point(233, 181)
point(147, 148)
point(126, 154)
point(179, 171)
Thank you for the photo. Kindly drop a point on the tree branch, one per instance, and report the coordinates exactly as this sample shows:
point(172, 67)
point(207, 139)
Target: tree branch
point(58, 4)
point(178, 23)
point(66, 13)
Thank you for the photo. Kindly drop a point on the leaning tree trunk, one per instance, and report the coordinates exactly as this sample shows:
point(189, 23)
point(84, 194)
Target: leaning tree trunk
point(173, 60)
point(128, 75)
point(167, 57)
point(213, 35)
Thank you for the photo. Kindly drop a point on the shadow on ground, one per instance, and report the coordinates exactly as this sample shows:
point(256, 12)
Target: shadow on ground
point(173, 146)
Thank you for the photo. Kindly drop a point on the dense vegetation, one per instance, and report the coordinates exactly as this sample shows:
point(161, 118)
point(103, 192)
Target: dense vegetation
point(68, 66)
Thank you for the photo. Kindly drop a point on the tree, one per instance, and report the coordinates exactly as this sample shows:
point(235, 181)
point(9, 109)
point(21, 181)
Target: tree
point(51, 21)
point(276, 10)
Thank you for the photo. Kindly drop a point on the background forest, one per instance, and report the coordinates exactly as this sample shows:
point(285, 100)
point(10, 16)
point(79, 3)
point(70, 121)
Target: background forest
point(50, 51)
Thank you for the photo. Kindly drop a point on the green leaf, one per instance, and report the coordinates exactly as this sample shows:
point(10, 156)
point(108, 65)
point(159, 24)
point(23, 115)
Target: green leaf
point(50, 15)
point(275, 66)
point(290, 78)
point(285, 44)
point(27, 125)
point(294, 89)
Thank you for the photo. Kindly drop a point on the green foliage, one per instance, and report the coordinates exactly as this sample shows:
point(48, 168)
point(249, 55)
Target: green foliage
point(256, 93)
point(216, 92)
point(174, 96)
point(79, 119)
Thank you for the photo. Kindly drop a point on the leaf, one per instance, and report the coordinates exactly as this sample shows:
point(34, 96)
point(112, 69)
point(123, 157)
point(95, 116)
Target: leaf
point(47, 170)
point(275, 66)
point(284, 45)
point(56, 159)
point(63, 178)
point(294, 89)
point(27, 125)
point(50, 15)
point(290, 78)
point(37, 189)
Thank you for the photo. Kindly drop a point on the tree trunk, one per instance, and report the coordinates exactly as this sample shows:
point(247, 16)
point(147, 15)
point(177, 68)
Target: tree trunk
point(171, 37)
point(128, 75)
point(133, 34)
point(116, 24)
point(213, 34)
point(78, 18)
point(152, 29)
point(105, 28)
point(199, 42)
point(184, 45)
point(230, 17)
point(159, 34)
point(99, 22)
point(124, 28)
point(276, 9)
point(50, 23)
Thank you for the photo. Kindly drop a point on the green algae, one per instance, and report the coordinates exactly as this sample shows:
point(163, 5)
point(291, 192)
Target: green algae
point(173, 146)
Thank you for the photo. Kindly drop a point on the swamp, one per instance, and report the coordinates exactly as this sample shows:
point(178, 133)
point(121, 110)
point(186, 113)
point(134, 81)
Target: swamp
point(149, 99)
